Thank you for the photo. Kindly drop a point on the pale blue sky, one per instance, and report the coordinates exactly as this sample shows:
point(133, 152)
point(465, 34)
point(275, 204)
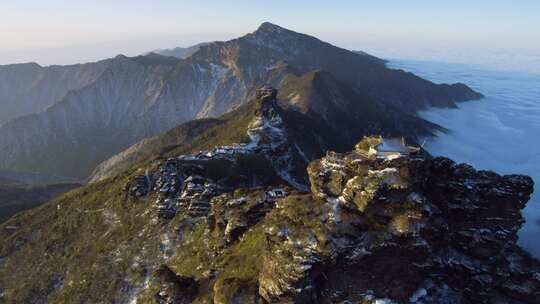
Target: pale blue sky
point(61, 31)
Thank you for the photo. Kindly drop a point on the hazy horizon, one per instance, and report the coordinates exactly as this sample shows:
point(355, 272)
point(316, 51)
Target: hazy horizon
point(62, 32)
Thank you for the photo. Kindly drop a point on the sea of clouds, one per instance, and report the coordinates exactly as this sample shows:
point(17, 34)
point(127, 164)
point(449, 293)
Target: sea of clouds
point(500, 132)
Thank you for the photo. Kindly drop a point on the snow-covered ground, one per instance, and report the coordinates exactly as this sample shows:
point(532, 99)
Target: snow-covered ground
point(500, 132)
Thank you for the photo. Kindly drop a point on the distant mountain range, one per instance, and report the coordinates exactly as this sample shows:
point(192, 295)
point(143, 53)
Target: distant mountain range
point(181, 52)
point(87, 113)
point(30, 88)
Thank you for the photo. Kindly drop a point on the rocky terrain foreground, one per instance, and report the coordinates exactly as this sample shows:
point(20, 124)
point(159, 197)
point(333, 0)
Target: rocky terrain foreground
point(245, 222)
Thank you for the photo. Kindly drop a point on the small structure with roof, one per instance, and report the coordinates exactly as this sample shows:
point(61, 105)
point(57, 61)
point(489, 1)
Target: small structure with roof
point(275, 193)
point(391, 148)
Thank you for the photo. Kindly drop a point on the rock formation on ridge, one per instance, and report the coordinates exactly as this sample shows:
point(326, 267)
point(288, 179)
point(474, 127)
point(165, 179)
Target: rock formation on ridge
point(230, 224)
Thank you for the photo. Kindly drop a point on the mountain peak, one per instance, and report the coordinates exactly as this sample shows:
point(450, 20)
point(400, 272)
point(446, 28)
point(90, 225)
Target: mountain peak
point(268, 27)
point(121, 57)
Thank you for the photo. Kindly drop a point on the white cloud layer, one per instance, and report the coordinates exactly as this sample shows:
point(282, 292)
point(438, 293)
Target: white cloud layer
point(499, 133)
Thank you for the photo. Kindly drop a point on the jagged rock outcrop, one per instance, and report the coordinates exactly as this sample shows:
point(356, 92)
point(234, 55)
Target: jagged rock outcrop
point(411, 229)
point(234, 213)
point(172, 288)
point(188, 183)
point(133, 98)
point(399, 229)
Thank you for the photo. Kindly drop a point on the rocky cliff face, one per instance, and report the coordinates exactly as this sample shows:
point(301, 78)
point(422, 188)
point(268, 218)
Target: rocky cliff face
point(114, 105)
point(412, 229)
point(237, 223)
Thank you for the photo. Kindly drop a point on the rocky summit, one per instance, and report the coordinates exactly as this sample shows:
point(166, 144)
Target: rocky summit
point(236, 217)
point(401, 230)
